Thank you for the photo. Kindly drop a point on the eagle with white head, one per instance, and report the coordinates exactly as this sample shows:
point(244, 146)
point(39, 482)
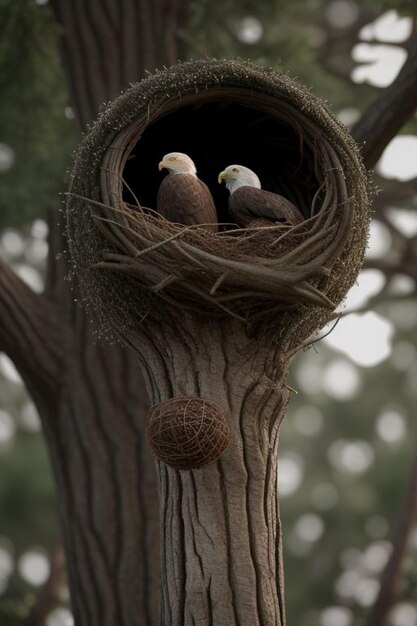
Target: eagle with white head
point(182, 197)
point(248, 202)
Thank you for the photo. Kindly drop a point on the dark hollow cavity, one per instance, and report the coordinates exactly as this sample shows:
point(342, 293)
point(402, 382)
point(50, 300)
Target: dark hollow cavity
point(216, 134)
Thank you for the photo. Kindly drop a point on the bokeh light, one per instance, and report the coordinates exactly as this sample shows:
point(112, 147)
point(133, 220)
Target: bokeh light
point(39, 229)
point(7, 157)
point(391, 426)
point(405, 221)
point(336, 616)
point(389, 27)
point(346, 584)
point(69, 113)
point(309, 527)
point(290, 474)
point(366, 592)
point(401, 285)
point(12, 243)
point(366, 338)
point(403, 614)
point(342, 13)
point(249, 30)
point(378, 65)
point(369, 284)
point(31, 276)
point(380, 240)
point(399, 162)
point(8, 370)
point(33, 567)
point(60, 617)
point(376, 556)
point(351, 457)
point(349, 116)
point(340, 379)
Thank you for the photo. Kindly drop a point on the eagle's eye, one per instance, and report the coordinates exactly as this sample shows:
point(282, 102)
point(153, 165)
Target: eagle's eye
point(172, 158)
point(235, 169)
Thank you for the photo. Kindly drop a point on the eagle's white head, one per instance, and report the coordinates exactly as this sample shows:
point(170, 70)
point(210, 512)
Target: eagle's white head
point(178, 163)
point(236, 176)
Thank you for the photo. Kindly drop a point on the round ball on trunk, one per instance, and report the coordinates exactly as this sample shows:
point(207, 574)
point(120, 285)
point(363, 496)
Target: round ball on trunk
point(187, 433)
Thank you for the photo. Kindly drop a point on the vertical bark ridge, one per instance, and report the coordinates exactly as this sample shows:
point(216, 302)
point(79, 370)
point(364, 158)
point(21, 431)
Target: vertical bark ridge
point(90, 397)
point(221, 529)
point(75, 60)
point(95, 26)
point(109, 44)
point(129, 49)
point(88, 608)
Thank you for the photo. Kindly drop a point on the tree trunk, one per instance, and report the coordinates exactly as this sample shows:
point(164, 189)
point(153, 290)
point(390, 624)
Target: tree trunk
point(95, 418)
point(221, 559)
point(221, 545)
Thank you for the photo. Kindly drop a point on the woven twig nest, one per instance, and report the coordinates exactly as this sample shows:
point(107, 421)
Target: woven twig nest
point(187, 433)
point(132, 264)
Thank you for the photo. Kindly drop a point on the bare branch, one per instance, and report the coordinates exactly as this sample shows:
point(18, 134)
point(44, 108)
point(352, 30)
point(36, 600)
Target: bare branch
point(391, 576)
point(389, 112)
point(390, 268)
point(31, 335)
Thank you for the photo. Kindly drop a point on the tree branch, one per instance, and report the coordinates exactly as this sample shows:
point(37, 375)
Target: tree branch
point(30, 335)
point(391, 576)
point(389, 112)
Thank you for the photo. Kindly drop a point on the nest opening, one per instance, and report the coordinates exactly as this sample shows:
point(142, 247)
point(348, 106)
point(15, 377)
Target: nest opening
point(279, 280)
point(217, 132)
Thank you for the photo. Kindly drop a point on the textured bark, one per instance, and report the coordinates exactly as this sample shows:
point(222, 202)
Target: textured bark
point(221, 545)
point(106, 486)
point(90, 396)
point(221, 560)
point(108, 44)
point(104, 470)
point(390, 111)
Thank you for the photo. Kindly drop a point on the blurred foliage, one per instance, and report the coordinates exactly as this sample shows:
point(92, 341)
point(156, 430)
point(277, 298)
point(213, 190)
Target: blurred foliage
point(32, 112)
point(366, 504)
point(28, 508)
point(294, 36)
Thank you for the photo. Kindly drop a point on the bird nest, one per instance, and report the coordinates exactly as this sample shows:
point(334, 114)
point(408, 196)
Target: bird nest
point(187, 432)
point(286, 280)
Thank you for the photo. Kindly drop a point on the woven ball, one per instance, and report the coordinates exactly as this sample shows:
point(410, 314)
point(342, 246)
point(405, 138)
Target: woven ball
point(186, 433)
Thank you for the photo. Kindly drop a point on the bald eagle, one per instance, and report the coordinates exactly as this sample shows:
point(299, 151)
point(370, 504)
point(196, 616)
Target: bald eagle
point(182, 197)
point(248, 202)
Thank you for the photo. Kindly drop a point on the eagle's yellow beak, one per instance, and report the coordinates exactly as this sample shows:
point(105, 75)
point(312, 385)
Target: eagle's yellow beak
point(161, 165)
point(222, 177)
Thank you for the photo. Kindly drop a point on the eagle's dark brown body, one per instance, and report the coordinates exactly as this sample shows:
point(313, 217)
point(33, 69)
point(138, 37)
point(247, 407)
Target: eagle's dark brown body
point(185, 199)
point(250, 203)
